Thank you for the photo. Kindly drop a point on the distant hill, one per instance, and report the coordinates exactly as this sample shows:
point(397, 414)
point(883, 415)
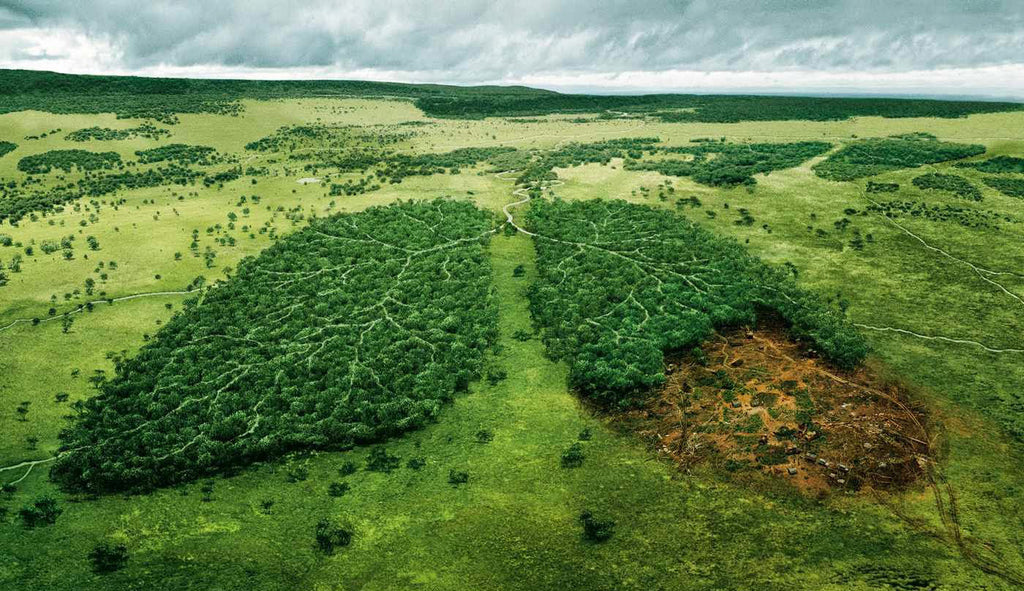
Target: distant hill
point(164, 98)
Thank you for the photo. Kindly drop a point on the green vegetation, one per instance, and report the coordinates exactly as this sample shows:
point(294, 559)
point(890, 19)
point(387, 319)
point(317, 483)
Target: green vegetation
point(873, 187)
point(721, 164)
point(6, 148)
point(67, 160)
point(1010, 187)
point(620, 284)
point(99, 266)
point(874, 156)
point(182, 153)
point(704, 109)
point(145, 130)
point(339, 334)
point(999, 164)
point(958, 214)
point(949, 183)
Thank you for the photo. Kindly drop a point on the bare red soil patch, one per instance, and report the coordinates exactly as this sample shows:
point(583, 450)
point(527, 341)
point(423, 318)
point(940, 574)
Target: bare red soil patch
point(755, 400)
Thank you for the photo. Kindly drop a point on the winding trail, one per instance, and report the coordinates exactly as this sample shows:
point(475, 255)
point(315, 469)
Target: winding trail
point(985, 274)
point(81, 308)
point(937, 338)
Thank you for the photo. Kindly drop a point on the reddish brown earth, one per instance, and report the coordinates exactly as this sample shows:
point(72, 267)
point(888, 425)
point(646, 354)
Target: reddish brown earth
point(761, 402)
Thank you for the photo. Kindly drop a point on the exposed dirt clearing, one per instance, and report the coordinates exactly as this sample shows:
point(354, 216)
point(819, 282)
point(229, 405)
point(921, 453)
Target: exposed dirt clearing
point(755, 400)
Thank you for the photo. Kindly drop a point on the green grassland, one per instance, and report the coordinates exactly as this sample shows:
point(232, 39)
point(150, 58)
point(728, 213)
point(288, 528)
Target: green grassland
point(939, 302)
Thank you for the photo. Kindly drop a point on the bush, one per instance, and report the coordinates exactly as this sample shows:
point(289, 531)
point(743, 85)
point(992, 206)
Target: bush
point(457, 477)
point(573, 456)
point(337, 489)
point(108, 558)
point(594, 529)
point(43, 511)
point(379, 460)
point(329, 536)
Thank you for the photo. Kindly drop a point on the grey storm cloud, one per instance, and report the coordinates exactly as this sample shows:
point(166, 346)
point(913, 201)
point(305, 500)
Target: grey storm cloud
point(497, 39)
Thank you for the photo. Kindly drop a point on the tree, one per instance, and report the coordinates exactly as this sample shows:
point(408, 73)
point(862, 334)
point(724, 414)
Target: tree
point(594, 529)
point(43, 511)
point(65, 323)
point(330, 536)
point(107, 558)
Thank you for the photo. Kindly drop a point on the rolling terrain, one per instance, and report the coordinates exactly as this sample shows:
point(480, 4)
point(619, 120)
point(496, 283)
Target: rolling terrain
point(356, 335)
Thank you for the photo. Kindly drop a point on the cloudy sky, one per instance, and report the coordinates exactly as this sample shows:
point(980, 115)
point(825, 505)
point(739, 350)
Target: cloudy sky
point(940, 47)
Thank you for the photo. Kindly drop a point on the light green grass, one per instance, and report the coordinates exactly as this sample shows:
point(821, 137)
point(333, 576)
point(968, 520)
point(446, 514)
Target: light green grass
point(514, 524)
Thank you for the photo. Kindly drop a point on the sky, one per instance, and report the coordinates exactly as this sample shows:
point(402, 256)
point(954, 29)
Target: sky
point(890, 47)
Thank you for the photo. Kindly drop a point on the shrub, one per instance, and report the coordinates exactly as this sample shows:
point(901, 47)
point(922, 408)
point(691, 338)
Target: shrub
point(329, 536)
point(379, 460)
point(594, 529)
point(457, 477)
point(43, 511)
point(107, 558)
point(337, 489)
point(573, 456)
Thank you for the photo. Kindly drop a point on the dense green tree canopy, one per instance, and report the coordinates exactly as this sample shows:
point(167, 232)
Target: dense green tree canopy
point(722, 164)
point(877, 155)
point(352, 330)
point(67, 160)
point(620, 284)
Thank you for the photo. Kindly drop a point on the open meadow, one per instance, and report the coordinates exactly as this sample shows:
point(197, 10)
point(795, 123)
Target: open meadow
point(358, 341)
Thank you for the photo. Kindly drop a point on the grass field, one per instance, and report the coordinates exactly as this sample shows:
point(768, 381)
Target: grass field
point(939, 302)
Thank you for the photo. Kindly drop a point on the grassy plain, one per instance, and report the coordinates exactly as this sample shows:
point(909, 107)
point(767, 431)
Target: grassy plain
point(514, 523)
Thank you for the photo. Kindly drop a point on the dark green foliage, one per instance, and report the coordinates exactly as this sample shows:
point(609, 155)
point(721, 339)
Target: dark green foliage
point(17, 205)
point(874, 187)
point(415, 463)
point(42, 511)
point(108, 558)
point(355, 329)
point(575, 154)
point(585, 434)
point(223, 176)
point(958, 214)
point(1011, 187)
point(877, 155)
point(6, 148)
point(496, 375)
point(183, 153)
point(67, 160)
point(573, 456)
point(146, 130)
point(999, 164)
point(457, 477)
point(619, 284)
point(594, 529)
point(330, 537)
point(163, 98)
point(707, 109)
point(721, 164)
point(349, 467)
point(950, 183)
point(379, 460)
point(398, 166)
point(484, 436)
point(337, 489)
